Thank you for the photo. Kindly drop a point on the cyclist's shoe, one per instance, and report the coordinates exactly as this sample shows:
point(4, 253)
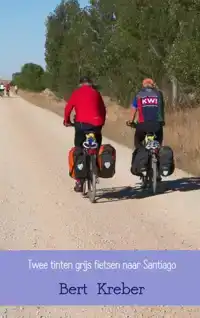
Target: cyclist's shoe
point(78, 186)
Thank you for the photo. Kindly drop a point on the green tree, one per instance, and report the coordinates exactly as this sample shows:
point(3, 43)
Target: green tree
point(16, 78)
point(57, 25)
point(119, 43)
point(31, 77)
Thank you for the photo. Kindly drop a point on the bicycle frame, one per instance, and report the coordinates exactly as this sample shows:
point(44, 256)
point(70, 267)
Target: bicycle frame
point(153, 147)
point(90, 146)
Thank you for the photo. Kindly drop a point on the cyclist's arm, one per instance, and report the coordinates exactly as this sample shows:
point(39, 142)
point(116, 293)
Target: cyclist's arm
point(134, 109)
point(162, 105)
point(69, 107)
point(102, 107)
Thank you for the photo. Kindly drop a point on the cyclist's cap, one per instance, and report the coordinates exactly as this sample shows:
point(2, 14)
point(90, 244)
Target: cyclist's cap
point(148, 82)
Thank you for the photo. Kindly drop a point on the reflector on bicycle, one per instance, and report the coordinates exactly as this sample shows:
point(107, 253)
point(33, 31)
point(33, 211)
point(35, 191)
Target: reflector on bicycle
point(92, 151)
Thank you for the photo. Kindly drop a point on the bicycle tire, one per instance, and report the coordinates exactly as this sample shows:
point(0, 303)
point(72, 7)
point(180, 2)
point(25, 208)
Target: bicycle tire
point(144, 182)
point(84, 191)
point(154, 174)
point(92, 179)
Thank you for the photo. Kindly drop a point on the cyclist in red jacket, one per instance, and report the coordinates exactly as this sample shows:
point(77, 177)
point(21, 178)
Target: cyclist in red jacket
point(7, 89)
point(90, 114)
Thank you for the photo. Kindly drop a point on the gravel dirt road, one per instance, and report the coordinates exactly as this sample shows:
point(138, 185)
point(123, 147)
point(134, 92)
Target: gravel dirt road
point(39, 209)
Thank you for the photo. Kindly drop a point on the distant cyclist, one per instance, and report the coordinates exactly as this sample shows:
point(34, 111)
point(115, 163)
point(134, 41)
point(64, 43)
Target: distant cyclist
point(7, 89)
point(2, 89)
point(16, 89)
point(90, 114)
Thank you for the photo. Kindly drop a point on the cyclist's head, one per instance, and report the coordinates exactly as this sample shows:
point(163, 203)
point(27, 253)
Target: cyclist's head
point(85, 80)
point(148, 82)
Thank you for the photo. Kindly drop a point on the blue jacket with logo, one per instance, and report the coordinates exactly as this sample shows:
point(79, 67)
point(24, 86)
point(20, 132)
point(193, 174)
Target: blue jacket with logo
point(150, 105)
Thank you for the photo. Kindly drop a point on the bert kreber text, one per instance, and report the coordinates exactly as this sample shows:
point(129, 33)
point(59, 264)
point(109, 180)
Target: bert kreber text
point(102, 289)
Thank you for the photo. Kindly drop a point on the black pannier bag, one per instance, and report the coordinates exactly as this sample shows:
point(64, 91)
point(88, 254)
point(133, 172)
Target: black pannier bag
point(166, 161)
point(77, 163)
point(106, 161)
point(139, 161)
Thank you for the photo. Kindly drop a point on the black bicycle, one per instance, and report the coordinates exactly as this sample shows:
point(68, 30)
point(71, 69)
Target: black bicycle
point(90, 147)
point(150, 178)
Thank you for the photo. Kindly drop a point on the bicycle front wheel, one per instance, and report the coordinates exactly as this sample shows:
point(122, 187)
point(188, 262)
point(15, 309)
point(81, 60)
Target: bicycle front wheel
point(84, 192)
point(92, 179)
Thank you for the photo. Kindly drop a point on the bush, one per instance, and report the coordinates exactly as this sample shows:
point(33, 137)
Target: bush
point(31, 77)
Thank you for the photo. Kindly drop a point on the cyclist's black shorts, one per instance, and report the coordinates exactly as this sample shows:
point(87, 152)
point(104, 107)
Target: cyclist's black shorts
point(81, 129)
point(148, 127)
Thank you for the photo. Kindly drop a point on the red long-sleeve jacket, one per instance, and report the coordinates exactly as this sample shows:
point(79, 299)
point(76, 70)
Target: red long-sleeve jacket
point(89, 106)
point(7, 86)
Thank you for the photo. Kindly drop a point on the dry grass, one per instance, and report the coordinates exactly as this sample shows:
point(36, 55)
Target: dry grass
point(181, 131)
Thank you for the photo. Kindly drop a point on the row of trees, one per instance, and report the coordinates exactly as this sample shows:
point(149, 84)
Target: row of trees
point(120, 42)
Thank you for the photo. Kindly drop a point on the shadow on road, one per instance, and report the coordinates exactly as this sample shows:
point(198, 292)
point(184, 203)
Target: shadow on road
point(165, 187)
point(6, 97)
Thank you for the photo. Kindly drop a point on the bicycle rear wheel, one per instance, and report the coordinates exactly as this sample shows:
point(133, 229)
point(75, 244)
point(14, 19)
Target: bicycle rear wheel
point(144, 181)
point(92, 179)
point(154, 174)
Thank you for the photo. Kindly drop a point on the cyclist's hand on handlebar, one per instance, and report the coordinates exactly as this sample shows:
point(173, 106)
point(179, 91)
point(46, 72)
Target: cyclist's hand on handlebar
point(66, 124)
point(130, 123)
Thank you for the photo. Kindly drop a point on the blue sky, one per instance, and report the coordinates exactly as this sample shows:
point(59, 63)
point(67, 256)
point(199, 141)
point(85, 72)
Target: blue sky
point(23, 33)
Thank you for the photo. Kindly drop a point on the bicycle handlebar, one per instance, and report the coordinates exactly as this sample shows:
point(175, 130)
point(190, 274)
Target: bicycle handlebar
point(131, 124)
point(70, 124)
point(134, 125)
